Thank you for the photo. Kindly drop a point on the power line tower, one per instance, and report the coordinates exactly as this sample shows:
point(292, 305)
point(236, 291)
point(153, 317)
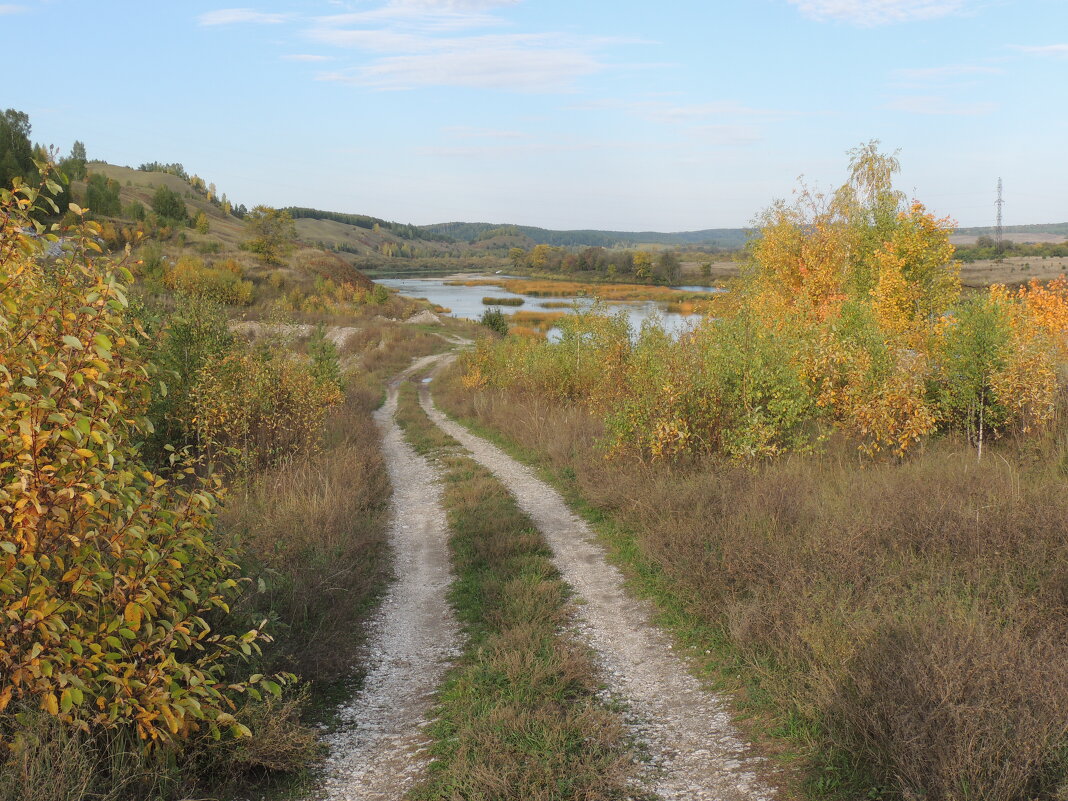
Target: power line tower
point(999, 231)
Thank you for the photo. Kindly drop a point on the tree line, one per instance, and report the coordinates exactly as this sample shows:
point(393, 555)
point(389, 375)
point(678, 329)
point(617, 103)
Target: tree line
point(637, 265)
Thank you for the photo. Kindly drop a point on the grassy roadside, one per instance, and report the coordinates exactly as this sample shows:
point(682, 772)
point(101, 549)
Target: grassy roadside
point(519, 716)
point(836, 601)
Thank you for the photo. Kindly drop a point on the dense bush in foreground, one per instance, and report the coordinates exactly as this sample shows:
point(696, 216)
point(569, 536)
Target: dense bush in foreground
point(110, 571)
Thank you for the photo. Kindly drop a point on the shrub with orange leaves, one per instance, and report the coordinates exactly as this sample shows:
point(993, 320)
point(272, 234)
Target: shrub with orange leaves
point(1047, 307)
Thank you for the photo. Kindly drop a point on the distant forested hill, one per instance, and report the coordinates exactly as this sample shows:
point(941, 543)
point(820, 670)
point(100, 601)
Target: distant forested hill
point(403, 230)
point(726, 238)
point(1059, 229)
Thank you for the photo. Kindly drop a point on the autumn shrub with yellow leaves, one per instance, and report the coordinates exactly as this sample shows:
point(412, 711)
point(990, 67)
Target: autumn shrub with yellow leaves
point(109, 571)
point(219, 282)
point(254, 408)
point(848, 317)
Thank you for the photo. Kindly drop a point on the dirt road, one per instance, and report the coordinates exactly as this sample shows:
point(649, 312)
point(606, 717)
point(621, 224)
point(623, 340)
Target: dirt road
point(697, 754)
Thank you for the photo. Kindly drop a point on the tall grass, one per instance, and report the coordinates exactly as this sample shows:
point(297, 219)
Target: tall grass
point(52, 762)
point(313, 537)
point(901, 624)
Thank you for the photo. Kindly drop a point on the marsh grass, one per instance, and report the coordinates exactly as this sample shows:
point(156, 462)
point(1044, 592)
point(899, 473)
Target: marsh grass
point(899, 626)
point(518, 717)
point(542, 288)
point(536, 319)
point(526, 331)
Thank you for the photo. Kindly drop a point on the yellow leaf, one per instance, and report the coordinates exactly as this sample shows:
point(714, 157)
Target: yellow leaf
point(132, 614)
point(50, 703)
point(172, 721)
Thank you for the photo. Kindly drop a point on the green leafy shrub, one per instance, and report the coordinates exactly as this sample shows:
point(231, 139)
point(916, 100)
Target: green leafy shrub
point(169, 205)
point(495, 320)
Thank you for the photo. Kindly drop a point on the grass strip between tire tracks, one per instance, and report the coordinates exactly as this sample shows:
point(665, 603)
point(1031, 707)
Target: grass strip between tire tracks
point(519, 716)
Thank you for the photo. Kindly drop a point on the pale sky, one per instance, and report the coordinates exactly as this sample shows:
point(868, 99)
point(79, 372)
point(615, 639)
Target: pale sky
point(566, 114)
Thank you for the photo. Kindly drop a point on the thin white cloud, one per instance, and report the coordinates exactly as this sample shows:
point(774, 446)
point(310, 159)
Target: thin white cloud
point(949, 71)
point(373, 40)
point(939, 106)
point(415, 16)
point(415, 43)
point(310, 57)
point(241, 16)
point(1044, 50)
point(683, 113)
point(6, 8)
point(519, 62)
point(870, 13)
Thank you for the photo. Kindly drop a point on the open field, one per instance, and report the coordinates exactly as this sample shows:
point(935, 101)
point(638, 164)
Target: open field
point(1023, 238)
point(1012, 270)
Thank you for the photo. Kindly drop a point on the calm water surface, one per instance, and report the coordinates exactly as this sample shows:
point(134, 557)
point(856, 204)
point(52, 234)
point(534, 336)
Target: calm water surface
point(466, 301)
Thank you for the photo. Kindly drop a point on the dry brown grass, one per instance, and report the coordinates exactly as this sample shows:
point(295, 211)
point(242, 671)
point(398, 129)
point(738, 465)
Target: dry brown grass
point(909, 616)
point(1012, 270)
point(324, 263)
point(313, 531)
point(51, 764)
point(383, 349)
